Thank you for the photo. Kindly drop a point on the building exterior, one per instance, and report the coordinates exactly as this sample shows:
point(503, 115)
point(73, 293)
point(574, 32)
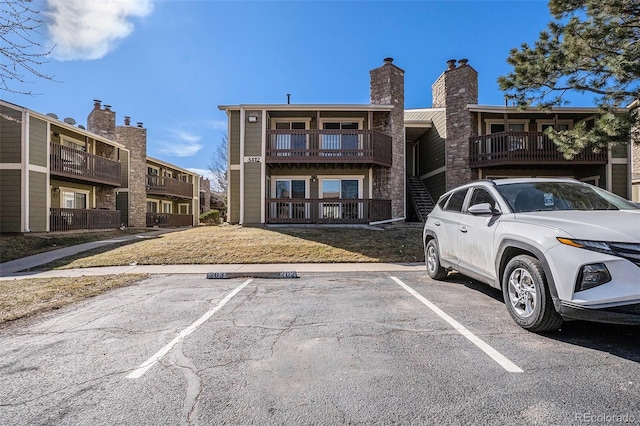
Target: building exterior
point(379, 163)
point(58, 176)
point(457, 140)
point(320, 163)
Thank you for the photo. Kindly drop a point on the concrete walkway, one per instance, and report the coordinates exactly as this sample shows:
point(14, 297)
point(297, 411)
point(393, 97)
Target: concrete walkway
point(12, 270)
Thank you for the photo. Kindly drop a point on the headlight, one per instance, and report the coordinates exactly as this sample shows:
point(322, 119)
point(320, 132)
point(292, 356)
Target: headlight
point(599, 246)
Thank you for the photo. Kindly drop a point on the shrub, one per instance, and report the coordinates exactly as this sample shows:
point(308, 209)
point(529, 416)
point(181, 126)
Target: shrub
point(212, 217)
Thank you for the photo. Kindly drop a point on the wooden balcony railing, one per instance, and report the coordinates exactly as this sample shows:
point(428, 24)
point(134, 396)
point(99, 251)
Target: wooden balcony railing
point(328, 146)
point(169, 220)
point(506, 148)
point(79, 219)
point(162, 185)
point(327, 211)
point(82, 166)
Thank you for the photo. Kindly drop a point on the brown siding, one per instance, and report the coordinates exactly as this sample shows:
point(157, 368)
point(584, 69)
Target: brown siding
point(122, 204)
point(38, 142)
point(619, 180)
point(436, 185)
point(234, 137)
point(124, 168)
point(38, 212)
point(10, 200)
point(11, 131)
point(619, 150)
point(234, 188)
point(252, 194)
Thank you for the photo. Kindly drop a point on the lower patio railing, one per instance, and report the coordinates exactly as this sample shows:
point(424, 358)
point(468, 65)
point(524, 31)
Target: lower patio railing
point(169, 220)
point(326, 211)
point(78, 219)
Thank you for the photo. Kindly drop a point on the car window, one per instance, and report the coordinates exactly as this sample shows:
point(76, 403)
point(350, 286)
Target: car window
point(481, 195)
point(456, 200)
point(443, 201)
point(541, 196)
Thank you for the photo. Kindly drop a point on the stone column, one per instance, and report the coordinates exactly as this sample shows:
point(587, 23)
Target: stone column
point(135, 139)
point(454, 90)
point(387, 88)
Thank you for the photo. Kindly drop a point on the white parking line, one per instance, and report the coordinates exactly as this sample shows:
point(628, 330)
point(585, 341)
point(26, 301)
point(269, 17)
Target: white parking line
point(139, 372)
point(497, 356)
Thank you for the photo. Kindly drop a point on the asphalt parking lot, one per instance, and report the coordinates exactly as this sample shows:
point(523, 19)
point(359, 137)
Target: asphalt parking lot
point(350, 348)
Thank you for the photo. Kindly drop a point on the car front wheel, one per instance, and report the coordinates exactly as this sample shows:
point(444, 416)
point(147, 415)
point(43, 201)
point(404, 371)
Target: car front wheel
point(432, 259)
point(527, 296)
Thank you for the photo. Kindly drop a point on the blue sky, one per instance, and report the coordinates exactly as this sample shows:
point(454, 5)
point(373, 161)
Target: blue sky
point(170, 63)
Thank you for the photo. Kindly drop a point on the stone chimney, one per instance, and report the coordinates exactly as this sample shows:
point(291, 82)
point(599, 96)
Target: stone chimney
point(102, 121)
point(456, 88)
point(387, 88)
point(135, 139)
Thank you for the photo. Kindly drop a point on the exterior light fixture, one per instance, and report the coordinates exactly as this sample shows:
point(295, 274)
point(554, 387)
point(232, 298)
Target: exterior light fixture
point(252, 118)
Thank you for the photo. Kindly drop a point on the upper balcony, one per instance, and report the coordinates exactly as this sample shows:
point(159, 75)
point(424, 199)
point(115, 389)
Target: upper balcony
point(83, 167)
point(163, 185)
point(513, 148)
point(328, 147)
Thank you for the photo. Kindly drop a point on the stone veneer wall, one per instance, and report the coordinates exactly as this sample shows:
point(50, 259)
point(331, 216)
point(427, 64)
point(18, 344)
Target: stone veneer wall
point(102, 121)
point(387, 88)
point(135, 139)
point(454, 90)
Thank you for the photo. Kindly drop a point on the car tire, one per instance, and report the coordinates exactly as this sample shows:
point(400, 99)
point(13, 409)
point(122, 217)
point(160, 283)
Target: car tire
point(527, 297)
point(432, 260)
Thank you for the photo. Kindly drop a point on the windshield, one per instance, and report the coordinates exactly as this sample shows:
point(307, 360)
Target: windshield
point(544, 196)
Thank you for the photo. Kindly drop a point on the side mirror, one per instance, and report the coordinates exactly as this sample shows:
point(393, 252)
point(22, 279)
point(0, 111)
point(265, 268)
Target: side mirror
point(482, 209)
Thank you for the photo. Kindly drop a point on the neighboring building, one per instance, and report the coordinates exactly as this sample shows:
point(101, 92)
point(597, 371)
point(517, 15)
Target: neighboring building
point(56, 176)
point(320, 163)
point(458, 140)
point(173, 195)
point(381, 163)
point(205, 195)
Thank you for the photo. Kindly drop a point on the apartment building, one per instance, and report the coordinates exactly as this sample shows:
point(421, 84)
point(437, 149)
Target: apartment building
point(56, 175)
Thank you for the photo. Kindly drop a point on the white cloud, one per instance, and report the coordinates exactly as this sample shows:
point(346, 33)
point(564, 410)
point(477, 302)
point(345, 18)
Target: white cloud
point(185, 145)
point(89, 29)
point(203, 172)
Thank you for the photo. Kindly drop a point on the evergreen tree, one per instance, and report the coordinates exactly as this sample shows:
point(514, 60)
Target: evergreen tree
point(591, 46)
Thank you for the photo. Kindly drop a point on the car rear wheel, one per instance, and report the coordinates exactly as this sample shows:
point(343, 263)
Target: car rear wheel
point(527, 296)
point(432, 260)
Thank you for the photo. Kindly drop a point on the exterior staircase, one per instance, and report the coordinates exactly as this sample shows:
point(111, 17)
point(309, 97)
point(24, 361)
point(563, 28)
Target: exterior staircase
point(420, 198)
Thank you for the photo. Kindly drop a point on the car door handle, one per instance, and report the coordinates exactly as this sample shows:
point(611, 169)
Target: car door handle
point(463, 229)
point(437, 223)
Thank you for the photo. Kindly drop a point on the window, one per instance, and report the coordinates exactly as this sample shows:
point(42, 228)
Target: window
point(480, 196)
point(166, 207)
point(293, 143)
point(514, 140)
point(183, 208)
point(73, 143)
point(343, 138)
point(74, 199)
point(152, 206)
point(543, 140)
point(153, 171)
point(456, 201)
point(288, 189)
point(341, 189)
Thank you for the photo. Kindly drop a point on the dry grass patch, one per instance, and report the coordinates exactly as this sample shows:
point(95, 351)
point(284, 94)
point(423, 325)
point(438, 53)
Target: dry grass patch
point(17, 246)
point(26, 297)
point(236, 244)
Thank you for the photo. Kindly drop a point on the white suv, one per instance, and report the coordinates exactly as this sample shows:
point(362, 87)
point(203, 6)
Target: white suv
point(558, 248)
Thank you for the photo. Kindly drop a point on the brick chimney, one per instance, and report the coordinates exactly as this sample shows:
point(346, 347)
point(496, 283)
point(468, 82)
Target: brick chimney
point(102, 121)
point(135, 139)
point(387, 88)
point(456, 88)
